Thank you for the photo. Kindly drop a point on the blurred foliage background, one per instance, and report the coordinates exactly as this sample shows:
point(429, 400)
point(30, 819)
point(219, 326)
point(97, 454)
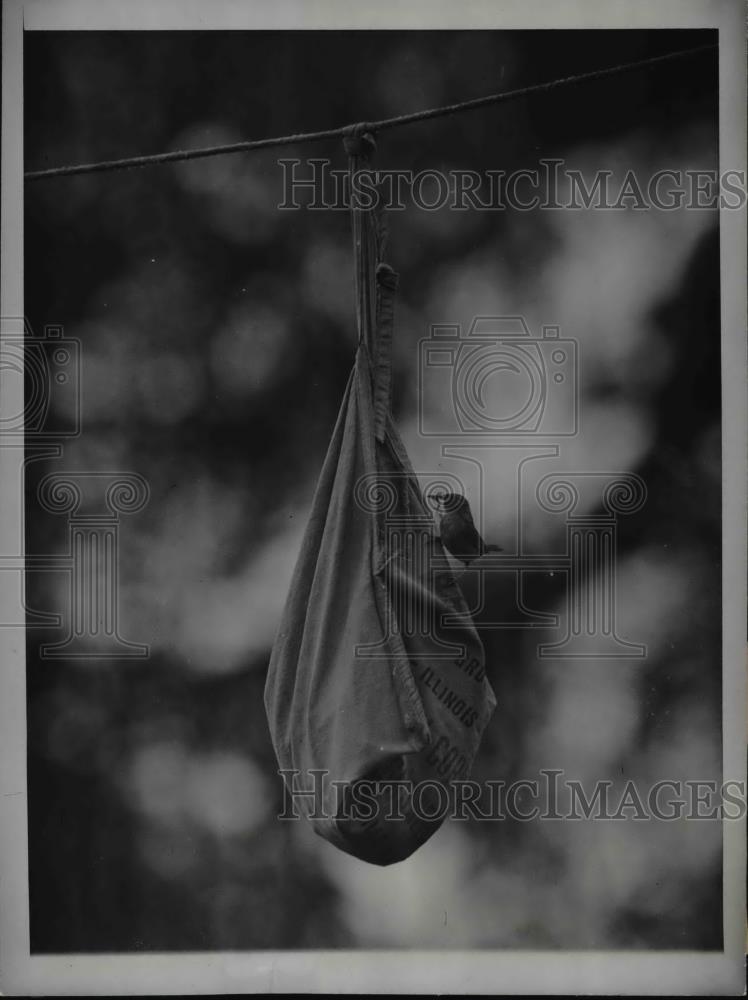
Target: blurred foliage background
point(217, 334)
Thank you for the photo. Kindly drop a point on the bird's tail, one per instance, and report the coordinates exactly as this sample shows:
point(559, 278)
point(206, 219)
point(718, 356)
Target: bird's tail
point(492, 548)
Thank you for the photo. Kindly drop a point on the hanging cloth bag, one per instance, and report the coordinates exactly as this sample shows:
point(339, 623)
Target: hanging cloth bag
point(376, 694)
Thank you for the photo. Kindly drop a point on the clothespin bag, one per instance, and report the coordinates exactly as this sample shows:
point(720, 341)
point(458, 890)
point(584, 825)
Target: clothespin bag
point(376, 694)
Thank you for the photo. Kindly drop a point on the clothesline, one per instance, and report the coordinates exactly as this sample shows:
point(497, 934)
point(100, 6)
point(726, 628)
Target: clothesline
point(345, 130)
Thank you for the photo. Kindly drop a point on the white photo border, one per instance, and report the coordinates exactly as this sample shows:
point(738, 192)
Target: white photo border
point(487, 972)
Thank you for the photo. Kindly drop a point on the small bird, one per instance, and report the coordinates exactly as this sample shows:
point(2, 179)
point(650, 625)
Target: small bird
point(459, 535)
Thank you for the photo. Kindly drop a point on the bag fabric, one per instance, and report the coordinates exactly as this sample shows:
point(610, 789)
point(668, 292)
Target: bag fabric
point(377, 672)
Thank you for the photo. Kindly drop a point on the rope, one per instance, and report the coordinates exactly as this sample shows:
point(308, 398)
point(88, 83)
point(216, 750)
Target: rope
point(347, 130)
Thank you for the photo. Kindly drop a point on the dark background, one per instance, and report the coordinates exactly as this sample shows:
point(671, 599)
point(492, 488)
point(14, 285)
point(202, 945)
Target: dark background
point(217, 334)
